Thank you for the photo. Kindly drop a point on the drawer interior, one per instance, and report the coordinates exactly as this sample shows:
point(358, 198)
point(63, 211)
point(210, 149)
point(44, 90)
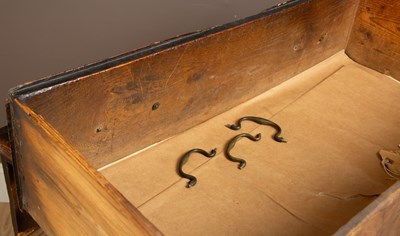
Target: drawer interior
point(336, 117)
point(95, 149)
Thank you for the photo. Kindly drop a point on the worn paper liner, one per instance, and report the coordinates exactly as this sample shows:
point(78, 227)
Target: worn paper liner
point(336, 117)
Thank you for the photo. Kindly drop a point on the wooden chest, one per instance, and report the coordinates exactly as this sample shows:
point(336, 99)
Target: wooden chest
point(94, 151)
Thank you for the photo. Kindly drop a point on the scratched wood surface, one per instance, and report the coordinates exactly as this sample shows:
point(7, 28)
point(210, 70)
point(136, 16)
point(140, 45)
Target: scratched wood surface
point(375, 38)
point(61, 191)
point(109, 115)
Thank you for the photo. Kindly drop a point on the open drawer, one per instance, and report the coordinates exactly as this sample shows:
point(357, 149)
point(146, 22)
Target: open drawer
point(95, 150)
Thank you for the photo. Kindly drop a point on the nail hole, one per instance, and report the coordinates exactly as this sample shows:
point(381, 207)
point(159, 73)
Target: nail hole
point(322, 38)
point(98, 129)
point(155, 106)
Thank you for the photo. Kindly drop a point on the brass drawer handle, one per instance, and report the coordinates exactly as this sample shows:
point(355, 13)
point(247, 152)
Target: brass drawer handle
point(260, 121)
point(231, 144)
point(184, 160)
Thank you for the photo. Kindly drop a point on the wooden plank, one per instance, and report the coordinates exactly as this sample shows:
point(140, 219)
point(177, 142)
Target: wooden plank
point(375, 38)
point(108, 115)
point(21, 220)
point(61, 191)
point(381, 217)
point(5, 149)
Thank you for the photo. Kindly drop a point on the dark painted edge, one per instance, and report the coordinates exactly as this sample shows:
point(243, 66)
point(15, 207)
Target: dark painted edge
point(137, 54)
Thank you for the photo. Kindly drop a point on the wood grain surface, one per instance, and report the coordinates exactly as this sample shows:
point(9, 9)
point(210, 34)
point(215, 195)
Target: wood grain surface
point(22, 222)
point(109, 114)
point(61, 191)
point(382, 217)
point(375, 38)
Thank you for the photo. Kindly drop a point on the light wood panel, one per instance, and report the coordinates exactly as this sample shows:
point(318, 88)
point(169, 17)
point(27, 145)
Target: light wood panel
point(61, 191)
point(109, 114)
point(382, 217)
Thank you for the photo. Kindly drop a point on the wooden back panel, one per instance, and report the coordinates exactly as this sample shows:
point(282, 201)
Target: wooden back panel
point(61, 191)
point(375, 38)
point(108, 115)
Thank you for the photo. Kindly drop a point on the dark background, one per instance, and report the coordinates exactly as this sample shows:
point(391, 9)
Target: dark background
point(45, 37)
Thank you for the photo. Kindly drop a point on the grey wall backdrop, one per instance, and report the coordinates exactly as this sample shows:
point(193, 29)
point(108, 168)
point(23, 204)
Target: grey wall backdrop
point(45, 37)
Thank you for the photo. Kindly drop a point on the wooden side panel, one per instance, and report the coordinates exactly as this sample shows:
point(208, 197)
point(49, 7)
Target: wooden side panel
point(22, 222)
point(109, 114)
point(375, 38)
point(5, 149)
point(382, 217)
point(61, 191)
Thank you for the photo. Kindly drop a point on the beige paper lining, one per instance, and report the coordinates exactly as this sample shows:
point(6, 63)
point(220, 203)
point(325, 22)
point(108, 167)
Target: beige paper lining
point(336, 117)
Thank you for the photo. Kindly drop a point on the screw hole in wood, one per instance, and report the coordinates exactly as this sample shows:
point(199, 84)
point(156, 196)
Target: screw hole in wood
point(155, 106)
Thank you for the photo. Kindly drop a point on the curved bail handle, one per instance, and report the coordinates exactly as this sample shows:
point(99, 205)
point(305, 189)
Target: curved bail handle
point(232, 143)
point(184, 159)
point(261, 121)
